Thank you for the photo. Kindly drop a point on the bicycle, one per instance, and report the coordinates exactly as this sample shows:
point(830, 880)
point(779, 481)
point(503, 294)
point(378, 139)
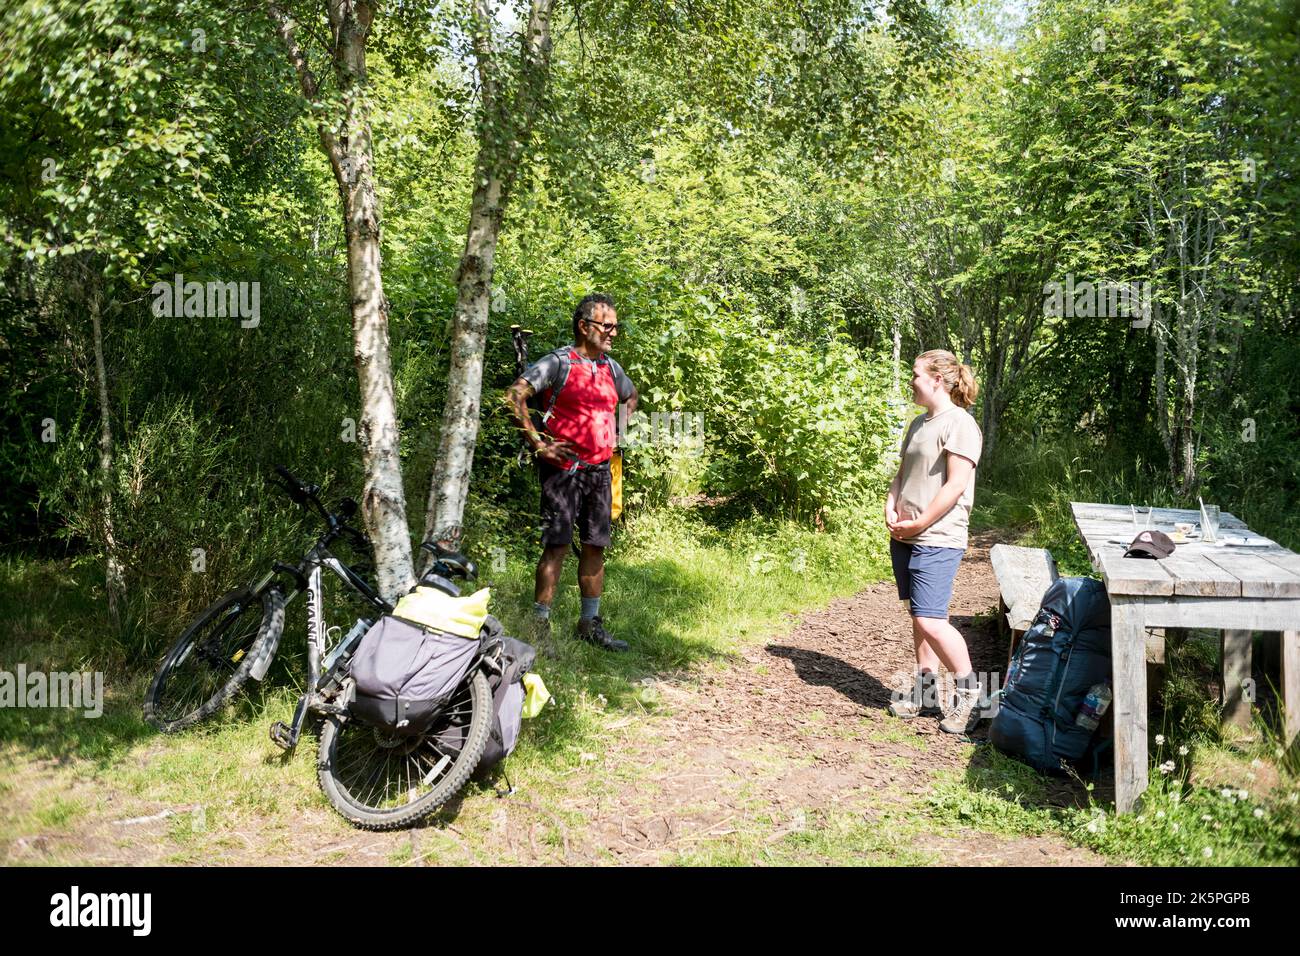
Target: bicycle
point(376, 780)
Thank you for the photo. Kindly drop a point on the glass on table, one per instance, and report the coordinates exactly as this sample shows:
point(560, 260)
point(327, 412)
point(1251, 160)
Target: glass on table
point(1141, 518)
point(1209, 522)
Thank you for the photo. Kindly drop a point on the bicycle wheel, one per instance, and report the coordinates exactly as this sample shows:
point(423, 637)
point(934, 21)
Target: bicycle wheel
point(213, 659)
point(380, 781)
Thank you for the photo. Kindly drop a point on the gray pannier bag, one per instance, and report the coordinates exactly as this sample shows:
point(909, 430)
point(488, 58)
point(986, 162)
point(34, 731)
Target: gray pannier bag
point(405, 673)
point(508, 662)
point(507, 700)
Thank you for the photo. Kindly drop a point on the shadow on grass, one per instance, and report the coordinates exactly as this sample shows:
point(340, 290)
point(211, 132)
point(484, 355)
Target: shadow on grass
point(997, 774)
point(652, 604)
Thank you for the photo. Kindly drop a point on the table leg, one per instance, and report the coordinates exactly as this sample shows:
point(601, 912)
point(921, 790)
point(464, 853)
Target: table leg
point(1128, 656)
point(1238, 692)
point(1291, 685)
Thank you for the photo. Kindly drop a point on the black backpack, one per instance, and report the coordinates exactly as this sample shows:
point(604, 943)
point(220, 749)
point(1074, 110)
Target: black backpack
point(1065, 652)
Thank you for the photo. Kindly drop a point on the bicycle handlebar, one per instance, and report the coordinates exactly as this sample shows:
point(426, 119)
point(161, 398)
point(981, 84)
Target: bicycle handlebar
point(304, 494)
point(298, 490)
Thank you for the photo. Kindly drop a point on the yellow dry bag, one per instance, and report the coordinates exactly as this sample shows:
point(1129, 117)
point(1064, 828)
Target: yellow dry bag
point(616, 485)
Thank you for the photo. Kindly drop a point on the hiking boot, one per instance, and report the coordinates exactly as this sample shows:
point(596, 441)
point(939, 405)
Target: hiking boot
point(541, 637)
point(965, 714)
point(921, 701)
point(592, 630)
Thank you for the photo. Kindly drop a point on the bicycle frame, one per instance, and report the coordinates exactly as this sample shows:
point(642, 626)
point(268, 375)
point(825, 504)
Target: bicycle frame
point(308, 576)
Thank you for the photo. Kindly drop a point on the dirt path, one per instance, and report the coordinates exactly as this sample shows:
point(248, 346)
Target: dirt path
point(796, 730)
point(791, 739)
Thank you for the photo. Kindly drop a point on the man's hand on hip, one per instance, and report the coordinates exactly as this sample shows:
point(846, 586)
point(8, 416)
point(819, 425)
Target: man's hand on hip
point(558, 453)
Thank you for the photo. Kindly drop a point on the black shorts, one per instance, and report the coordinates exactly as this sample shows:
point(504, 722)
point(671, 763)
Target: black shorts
point(567, 496)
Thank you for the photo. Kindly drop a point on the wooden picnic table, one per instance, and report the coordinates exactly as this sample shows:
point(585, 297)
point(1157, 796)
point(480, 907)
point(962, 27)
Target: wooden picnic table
point(1235, 590)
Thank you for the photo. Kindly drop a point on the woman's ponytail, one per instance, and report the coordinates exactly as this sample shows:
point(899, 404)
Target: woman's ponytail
point(965, 388)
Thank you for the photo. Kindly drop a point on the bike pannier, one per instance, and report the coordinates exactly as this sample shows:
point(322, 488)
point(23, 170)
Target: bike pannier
point(508, 694)
point(410, 663)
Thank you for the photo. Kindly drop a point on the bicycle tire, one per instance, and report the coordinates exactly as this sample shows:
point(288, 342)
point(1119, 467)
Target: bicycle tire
point(373, 818)
point(271, 624)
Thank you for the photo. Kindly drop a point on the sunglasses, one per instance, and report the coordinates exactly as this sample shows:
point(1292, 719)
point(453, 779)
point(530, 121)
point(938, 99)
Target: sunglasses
point(607, 327)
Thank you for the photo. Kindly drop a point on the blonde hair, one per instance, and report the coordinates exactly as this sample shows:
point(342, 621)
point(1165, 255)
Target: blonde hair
point(957, 378)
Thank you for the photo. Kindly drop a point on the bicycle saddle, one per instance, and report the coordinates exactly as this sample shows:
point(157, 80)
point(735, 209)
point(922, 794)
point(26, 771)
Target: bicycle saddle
point(454, 562)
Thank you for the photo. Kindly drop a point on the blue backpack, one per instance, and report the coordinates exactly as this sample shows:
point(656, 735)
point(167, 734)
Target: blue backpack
point(1063, 654)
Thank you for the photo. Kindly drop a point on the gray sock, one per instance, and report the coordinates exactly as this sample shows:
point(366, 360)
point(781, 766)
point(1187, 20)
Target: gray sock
point(541, 611)
point(590, 607)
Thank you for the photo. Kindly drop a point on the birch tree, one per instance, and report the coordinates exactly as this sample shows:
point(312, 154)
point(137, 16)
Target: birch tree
point(110, 156)
point(504, 129)
point(343, 127)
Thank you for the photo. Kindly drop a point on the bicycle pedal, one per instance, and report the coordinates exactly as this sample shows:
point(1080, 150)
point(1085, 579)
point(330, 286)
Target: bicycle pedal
point(282, 735)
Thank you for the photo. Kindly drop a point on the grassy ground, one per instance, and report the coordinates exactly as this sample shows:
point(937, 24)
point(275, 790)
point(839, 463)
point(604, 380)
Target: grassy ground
point(689, 595)
point(683, 612)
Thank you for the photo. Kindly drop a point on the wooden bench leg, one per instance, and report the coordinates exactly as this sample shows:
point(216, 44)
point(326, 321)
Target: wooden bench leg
point(1128, 655)
point(1238, 687)
point(1291, 686)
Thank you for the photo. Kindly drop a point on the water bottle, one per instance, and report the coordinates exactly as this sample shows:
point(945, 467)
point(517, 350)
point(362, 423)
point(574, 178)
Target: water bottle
point(1094, 706)
point(347, 645)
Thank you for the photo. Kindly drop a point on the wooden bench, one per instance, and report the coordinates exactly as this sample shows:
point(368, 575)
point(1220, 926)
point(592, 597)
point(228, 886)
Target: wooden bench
point(1024, 575)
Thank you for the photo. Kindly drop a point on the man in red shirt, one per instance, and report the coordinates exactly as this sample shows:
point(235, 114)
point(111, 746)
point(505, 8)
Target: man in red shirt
point(580, 388)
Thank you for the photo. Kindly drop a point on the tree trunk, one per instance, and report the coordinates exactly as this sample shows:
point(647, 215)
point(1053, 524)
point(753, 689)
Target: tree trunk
point(460, 414)
point(115, 579)
point(347, 145)
point(1187, 434)
point(896, 353)
point(1162, 396)
point(503, 134)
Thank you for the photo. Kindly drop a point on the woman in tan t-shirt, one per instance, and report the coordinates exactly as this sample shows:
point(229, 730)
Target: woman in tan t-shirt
point(927, 512)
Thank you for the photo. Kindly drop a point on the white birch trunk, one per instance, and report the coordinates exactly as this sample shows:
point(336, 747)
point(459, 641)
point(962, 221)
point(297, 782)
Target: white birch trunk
point(115, 578)
point(503, 133)
point(348, 146)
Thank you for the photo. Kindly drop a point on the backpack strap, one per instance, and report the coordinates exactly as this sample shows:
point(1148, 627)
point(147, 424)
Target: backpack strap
point(566, 363)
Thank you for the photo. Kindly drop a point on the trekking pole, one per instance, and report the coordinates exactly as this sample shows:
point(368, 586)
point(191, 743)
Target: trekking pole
point(519, 336)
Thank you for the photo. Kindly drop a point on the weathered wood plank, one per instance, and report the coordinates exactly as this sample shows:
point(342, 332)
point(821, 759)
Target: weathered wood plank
point(1128, 656)
point(1291, 686)
point(1134, 576)
point(1259, 578)
point(1253, 614)
point(1194, 574)
point(1023, 575)
point(1287, 560)
point(1236, 662)
point(1115, 513)
point(1155, 645)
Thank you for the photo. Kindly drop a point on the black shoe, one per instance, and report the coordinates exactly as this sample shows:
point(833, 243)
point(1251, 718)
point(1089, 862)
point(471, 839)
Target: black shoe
point(593, 631)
